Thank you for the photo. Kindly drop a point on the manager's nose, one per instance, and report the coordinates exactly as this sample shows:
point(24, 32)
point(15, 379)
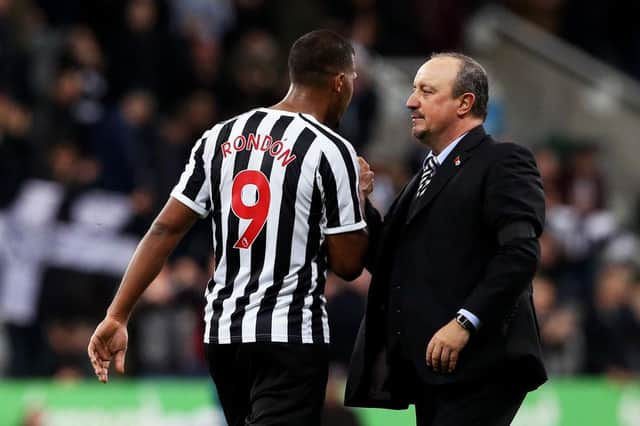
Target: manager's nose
point(412, 102)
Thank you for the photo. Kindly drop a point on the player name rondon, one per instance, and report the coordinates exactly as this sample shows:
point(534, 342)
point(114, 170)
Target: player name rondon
point(264, 143)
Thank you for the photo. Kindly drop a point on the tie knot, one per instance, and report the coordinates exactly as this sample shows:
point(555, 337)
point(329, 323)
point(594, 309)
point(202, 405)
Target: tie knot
point(430, 164)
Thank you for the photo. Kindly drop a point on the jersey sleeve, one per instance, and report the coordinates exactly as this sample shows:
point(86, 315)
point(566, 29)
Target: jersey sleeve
point(337, 176)
point(193, 189)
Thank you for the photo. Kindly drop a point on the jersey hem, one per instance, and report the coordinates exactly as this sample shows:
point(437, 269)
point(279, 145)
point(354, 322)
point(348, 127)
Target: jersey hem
point(269, 338)
point(190, 203)
point(346, 228)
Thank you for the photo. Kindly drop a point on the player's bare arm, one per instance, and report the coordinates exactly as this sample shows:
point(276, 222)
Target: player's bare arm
point(110, 338)
point(346, 253)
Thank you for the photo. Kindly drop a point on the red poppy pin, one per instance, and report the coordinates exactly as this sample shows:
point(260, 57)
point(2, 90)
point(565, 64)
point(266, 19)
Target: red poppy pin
point(456, 161)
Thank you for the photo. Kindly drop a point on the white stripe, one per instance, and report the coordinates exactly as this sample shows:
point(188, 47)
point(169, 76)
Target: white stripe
point(343, 184)
point(307, 320)
point(307, 315)
point(325, 319)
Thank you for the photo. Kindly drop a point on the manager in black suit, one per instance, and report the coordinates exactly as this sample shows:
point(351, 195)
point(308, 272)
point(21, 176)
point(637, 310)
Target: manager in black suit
point(450, 324)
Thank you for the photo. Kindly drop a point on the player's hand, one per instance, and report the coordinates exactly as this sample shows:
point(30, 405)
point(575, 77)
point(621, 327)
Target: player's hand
point(366, 179)
point(109, 341)
point(445, 346)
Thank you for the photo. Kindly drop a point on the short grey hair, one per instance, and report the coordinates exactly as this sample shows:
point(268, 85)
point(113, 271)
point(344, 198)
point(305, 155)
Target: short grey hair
point(471, 78)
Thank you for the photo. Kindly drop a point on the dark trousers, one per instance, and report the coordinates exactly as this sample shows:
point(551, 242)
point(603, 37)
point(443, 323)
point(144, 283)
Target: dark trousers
point(483, 403)
point(492, 401)
point(270, 383)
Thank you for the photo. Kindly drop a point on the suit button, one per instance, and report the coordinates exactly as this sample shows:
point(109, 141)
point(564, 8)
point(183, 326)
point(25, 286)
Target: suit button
point(397, 311)
point(397, 333)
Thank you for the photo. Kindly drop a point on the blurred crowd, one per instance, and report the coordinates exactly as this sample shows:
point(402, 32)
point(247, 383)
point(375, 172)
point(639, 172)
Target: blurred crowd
point(101, 101)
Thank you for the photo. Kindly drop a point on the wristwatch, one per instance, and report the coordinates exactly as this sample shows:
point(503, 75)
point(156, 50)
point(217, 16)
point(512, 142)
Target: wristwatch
point(465, 323)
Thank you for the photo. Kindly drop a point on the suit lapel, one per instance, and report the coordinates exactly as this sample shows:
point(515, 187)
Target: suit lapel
point(452, 164)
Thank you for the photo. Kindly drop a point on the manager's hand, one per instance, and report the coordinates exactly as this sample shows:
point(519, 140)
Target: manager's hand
point(444, 347)
point(108, 341)
point(366, 176)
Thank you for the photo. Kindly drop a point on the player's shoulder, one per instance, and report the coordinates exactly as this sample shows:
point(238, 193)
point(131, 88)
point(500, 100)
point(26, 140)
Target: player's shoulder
point(326, 134)
point(228, 121)
point(211, 134)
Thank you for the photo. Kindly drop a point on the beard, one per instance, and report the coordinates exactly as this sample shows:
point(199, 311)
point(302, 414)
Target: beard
point(421, 134)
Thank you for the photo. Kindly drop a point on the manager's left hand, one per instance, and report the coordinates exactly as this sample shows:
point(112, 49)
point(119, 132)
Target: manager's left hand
point(445, 346)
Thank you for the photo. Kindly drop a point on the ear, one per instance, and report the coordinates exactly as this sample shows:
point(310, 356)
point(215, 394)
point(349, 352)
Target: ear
point(338, 82)
point(467, 101)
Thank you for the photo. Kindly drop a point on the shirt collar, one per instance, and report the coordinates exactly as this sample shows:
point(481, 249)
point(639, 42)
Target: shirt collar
point(440, 158)
point(445, 152)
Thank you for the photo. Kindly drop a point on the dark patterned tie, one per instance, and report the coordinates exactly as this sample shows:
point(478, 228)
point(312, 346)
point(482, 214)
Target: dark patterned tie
point(428, 171)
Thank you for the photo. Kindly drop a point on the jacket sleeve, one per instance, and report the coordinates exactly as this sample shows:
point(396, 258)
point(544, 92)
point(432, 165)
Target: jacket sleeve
point(513, 193)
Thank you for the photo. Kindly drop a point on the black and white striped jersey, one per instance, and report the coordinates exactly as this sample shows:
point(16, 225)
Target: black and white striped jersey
point(275, 183)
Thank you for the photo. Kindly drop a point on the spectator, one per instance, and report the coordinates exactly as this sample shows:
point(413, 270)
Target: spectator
point(17, 154)
point(120, 143)
point(611, 324)
point(560, 332)
point(169, 317)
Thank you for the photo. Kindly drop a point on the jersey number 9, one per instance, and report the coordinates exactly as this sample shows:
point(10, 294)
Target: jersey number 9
point(257, 213)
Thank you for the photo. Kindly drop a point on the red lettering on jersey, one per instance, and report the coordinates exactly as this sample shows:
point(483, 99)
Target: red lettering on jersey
point(239, 143)
point(253, 142)
point(225, 147)
point(286, 157)
point(264, 143)
point(275, 148)
point(267, 140)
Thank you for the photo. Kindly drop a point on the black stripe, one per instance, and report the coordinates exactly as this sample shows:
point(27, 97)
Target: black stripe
point(216, 214)
point(258, 248)
point(317, 326)
point(197, 177)
point(286, 222)
point(305, 276)
point(346, 156)
point(330, 193)
point(232, 255)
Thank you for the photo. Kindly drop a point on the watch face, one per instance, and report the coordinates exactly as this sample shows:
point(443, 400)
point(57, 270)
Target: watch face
point(464, 322)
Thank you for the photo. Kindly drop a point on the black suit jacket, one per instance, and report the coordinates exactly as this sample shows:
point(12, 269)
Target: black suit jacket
point(432, 257)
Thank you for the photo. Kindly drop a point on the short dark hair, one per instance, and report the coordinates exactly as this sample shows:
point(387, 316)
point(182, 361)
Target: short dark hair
point(318, 54)
point(471, 78)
